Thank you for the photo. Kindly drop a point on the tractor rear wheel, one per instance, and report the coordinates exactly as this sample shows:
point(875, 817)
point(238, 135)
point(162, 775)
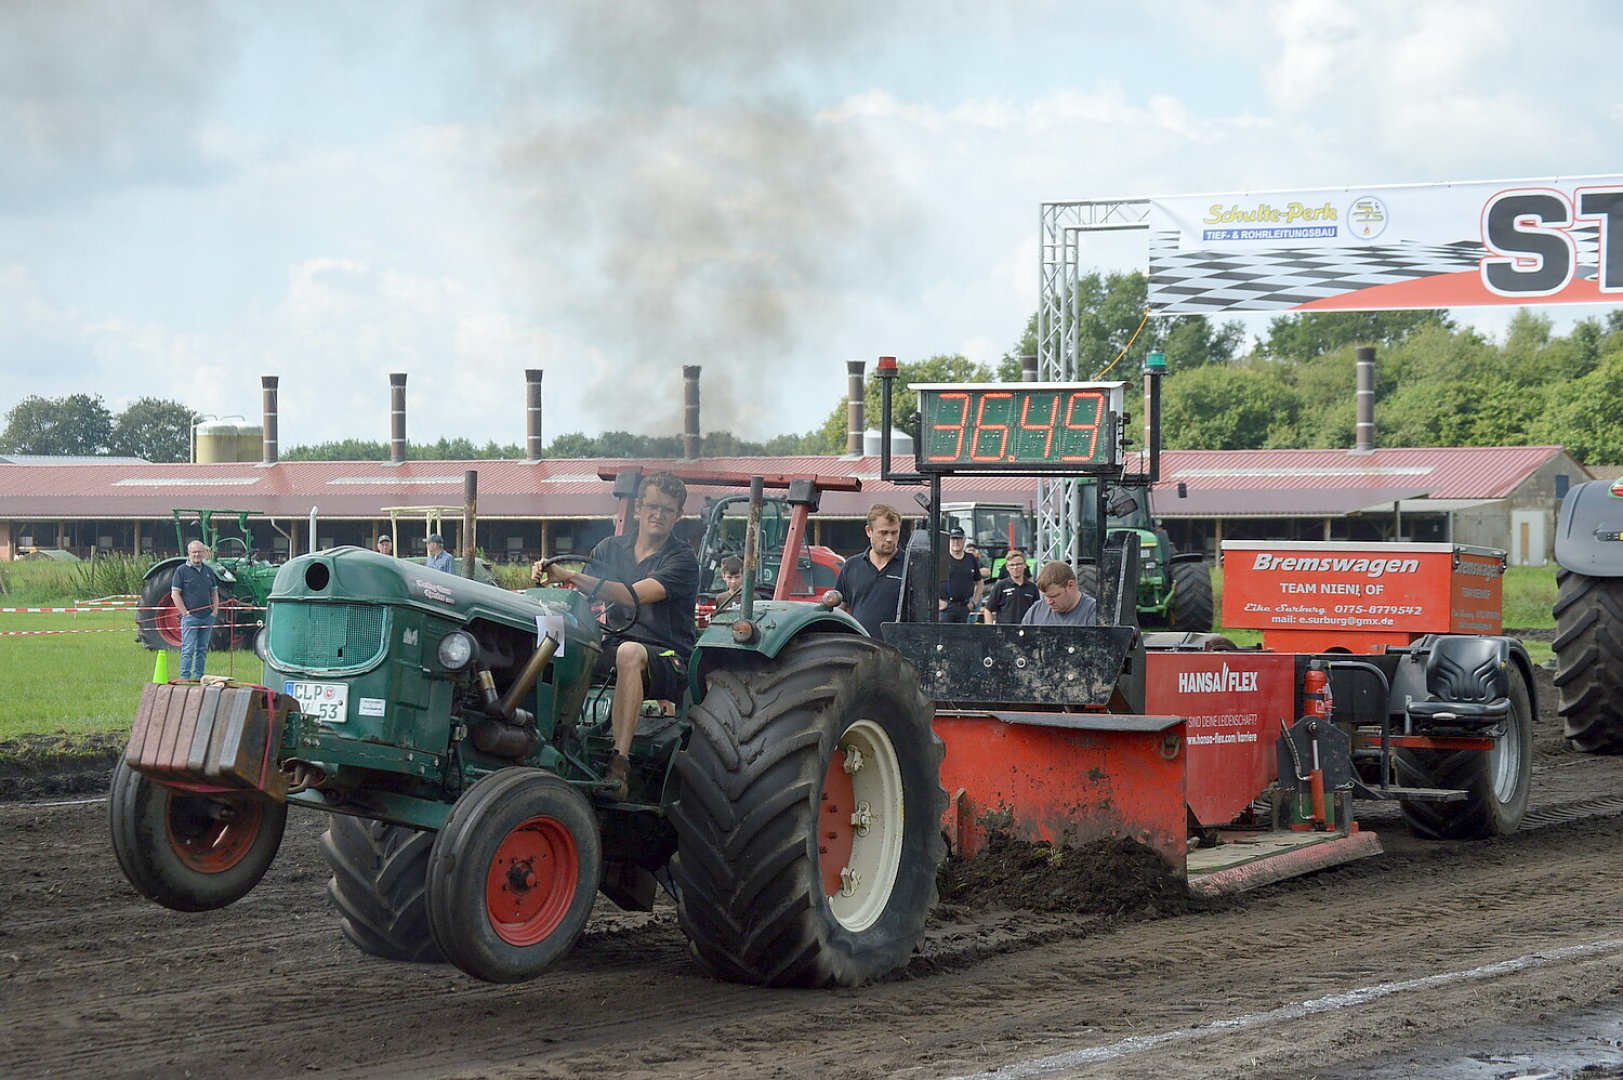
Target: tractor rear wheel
point(513, 874)
point(1191, 597)
point(378, 876)
point(191, 852)
point(1589, 661)
point(1496, 780)
point(157, 621)
point(808, 816)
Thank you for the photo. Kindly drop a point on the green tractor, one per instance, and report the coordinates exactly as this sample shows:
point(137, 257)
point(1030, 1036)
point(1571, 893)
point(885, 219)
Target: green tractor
point(789, 803)
point(1174, 588)
point(245, 582)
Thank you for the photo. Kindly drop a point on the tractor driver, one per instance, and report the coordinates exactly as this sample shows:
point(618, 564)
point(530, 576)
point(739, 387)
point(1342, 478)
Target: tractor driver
point(1064, 602)
point(649, 658)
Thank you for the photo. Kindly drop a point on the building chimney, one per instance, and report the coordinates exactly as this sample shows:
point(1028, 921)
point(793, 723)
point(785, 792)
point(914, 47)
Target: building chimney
point(690, 411)
point(267, 391)
point(856, 407)
point(397, 417)
point(1366, 399)
point(532, 414)
point(1028, 369)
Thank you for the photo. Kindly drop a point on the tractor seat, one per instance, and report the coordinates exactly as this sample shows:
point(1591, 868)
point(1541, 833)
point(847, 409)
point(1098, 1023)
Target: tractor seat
point(1468, 679)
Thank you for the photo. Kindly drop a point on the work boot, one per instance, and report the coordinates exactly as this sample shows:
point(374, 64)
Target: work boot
point(617, 780)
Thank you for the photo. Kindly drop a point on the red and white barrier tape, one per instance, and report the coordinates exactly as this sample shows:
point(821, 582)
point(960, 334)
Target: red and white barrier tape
point(99, 610)
point(23, 633)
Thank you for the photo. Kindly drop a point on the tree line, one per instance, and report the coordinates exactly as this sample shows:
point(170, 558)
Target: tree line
point(1437, 384)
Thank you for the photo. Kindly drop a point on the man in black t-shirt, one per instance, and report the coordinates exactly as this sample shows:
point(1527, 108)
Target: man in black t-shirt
point(1009, 598)
point(649, 657)
point(871, 583)
point(961, 589)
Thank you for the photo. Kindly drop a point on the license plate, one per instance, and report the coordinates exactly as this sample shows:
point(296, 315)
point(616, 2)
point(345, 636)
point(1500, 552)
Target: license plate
point(327, 703)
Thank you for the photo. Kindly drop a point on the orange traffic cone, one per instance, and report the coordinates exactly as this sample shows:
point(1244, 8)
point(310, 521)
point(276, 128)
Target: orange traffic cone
point(160, 668)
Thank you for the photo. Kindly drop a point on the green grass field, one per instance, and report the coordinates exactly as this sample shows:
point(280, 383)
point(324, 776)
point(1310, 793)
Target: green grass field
point(91, 682)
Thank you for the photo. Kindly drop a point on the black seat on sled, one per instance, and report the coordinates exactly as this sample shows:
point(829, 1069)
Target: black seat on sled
point(1468, 679)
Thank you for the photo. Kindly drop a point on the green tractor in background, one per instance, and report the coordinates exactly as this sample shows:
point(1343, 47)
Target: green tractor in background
point(245, 582)
point(790, 802)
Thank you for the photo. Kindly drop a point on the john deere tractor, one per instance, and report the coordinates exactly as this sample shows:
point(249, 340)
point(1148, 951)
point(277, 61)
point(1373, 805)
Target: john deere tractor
point(1174, 588)
point(789, 802)
point(245, 582)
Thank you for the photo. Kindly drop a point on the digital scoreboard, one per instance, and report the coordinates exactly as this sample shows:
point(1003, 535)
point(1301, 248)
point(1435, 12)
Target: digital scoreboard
point(1019, 427)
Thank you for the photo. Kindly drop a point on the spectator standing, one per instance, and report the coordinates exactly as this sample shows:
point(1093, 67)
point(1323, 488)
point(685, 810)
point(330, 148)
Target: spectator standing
point(438, 557)
point(1010, 597)
point(385, 545)
point(196, 592)
point(871, 583)
point(961, 588)
point(1064, 602)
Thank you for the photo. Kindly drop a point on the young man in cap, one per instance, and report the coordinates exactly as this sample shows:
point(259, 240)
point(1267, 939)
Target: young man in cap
point(385, 545)
point(961, 587)
point(438, 557)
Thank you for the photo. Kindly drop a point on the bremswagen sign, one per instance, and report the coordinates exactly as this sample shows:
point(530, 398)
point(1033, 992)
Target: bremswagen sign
point(1385, 248)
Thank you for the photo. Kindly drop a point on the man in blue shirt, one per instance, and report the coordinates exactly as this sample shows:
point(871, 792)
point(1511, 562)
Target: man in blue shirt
point(438, 557)
point(196, 593)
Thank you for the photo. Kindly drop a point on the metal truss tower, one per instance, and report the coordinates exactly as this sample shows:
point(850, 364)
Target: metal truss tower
point(1059, 510)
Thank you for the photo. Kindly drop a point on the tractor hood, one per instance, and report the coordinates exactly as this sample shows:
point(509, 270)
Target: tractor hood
point(354, 575)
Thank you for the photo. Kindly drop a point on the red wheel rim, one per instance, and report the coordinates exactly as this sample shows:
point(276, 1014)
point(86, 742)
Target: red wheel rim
point(532, 881)
point(211, 836)
point(836, 836)
point(166, 621)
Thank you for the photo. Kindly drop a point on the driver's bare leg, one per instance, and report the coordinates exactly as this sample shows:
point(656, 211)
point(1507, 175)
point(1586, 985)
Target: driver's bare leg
point(631, 666)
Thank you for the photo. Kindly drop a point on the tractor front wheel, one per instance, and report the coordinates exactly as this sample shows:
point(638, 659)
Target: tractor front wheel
point(378, 876)
point(513, 874)
point(808, 816)
point(1589, 661)
point(1496, 781)
point(191, 852)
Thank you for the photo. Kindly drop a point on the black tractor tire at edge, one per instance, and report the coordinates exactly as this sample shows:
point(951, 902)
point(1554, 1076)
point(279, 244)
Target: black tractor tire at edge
point(378, 886)
point(1192, 603)
point(1589, 661)
point(1498, 785)
point(176, 850)
point(750, 797)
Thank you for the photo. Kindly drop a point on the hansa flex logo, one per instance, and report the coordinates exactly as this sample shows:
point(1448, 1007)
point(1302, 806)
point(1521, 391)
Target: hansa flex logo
point(1217, 682)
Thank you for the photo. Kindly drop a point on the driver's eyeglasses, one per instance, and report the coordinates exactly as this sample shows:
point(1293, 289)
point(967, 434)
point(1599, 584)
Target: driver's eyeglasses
point(662, 509)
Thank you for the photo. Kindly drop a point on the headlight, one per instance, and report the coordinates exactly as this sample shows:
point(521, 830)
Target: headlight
point(262, 645)
point(457, 650)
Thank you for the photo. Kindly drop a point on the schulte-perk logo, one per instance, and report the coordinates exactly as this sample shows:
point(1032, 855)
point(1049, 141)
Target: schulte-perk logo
point(1366, 217)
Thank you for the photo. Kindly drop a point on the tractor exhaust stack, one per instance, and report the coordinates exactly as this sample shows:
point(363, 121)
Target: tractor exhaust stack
point(269, 452)
point(397, 417)
point(856, 409)
point(533, 447)
point(1366, 399)
point(690, 412)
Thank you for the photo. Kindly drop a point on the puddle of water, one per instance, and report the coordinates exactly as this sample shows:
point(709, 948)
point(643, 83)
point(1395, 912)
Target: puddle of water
point(1584, 1045)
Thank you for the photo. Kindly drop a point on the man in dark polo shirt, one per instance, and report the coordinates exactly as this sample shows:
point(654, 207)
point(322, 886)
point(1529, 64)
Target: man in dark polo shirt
point(871, 583)
point(650, 657)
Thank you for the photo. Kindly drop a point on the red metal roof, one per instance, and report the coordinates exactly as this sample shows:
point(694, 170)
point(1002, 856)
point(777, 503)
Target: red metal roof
point(1221, 483)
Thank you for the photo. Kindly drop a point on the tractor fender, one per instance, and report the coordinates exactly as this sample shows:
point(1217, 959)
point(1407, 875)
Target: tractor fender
point(778, 622)
point(1591, 511)
point(161, 565)
point(1188, 556)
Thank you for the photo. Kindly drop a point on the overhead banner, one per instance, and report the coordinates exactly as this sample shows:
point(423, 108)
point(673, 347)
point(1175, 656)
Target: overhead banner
point(1387, 248)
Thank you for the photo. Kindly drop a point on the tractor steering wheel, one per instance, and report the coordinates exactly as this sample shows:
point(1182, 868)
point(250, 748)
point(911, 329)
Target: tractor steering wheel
point(224, 540)
point(611, 616)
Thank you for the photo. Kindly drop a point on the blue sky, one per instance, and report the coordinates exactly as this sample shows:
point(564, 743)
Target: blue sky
point(193, 194)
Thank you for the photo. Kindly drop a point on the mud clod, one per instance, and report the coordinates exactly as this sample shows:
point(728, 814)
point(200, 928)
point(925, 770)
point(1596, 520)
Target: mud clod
point(1107, 878)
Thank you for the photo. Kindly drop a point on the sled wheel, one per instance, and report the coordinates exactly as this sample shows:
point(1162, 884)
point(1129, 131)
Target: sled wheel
point(157, 620)
point(808, 816)
point(191, 852)
point(513, 874)
point(1496, 780)
point(1589, 661)
point(1192, 604)
point(378, 876)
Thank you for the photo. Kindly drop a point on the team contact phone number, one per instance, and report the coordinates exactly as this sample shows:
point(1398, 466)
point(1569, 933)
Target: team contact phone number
point(1380, 609)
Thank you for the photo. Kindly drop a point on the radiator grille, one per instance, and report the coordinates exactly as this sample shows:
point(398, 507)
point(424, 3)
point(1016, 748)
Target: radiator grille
point(326, 637)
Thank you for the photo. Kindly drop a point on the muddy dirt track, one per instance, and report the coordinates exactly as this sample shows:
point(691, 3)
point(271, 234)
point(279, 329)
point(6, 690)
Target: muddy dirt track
point(1462, 960)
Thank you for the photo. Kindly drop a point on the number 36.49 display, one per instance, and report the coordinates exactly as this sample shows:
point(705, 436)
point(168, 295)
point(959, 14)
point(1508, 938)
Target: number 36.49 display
point(1019, 427)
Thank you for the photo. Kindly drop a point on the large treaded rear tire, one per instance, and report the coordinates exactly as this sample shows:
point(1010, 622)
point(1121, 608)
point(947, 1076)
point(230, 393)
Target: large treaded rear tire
point(1497, 781)
point(157, 622)
point(783, 753)
point(1589, 661)
point(1192, 605)
point(379, 874)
